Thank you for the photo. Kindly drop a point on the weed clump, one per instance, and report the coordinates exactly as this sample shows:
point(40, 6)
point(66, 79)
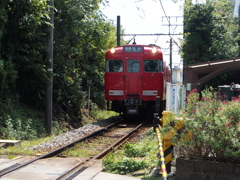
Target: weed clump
point(133, 157)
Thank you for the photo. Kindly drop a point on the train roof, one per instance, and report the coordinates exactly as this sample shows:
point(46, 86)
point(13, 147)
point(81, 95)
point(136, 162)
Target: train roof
point(145, 45)
point(134, 48)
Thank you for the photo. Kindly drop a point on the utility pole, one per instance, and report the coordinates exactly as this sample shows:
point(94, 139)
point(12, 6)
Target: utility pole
point(169, 33)
point(49, 66)
point(171, 57)
point(89, 83)
point(118, 31)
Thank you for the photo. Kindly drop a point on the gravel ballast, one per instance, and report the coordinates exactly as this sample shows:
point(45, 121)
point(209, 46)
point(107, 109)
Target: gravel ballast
point(73, 135)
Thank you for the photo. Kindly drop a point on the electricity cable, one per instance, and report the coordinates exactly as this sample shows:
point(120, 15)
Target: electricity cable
point(136, 13)
point(168, 21)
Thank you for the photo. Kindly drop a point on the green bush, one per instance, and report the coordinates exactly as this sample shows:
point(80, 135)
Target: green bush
point(133, 157)
point(123, 165)
point(214, 127)
point(20, 122)
point(133, 150)
point(99, 114)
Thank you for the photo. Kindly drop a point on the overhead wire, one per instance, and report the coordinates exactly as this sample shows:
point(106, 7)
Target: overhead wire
point(141, 10)
point(136, 13)
point(174, 28)
point(168, 22)
point(145, 20)
point(144, 14)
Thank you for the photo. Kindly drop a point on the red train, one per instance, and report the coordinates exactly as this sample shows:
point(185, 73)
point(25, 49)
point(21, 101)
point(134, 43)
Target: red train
point(134, 76)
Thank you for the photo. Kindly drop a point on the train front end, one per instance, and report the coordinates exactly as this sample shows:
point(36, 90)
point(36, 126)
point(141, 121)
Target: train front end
point(134, 76)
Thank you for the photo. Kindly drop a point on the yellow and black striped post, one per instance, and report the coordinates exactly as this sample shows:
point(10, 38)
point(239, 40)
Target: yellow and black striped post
point(165, 142)
point(167, 145)
point(177, 129)
point(161, 154)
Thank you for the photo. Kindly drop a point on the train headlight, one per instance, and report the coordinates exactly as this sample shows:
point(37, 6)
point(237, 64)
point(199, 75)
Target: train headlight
point(112, 50)
point(150, 93)
point(154, 50)
point(115, 92)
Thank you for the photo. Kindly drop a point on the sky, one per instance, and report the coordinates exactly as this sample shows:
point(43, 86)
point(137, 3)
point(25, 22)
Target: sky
point(150, 17)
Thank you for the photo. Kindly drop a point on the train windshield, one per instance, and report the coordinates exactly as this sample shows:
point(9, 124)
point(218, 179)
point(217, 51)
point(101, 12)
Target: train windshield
point(133, 65)
point(114, 66)
point(153, 66)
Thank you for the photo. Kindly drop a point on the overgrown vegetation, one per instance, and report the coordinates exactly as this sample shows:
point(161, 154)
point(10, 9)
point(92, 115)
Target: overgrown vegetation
point(82, 34)
point(21, 122)
point(214, 125)
point(211, 33)
point(134, 157)
point(29, 137)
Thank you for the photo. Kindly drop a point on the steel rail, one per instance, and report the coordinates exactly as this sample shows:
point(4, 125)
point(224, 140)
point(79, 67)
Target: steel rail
point(61, 149)
point(80, 167)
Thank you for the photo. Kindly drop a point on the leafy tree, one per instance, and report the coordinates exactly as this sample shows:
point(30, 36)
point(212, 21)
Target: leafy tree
point(210, 32)
point(7, 73)
point(22, 74)
point(82, 35)
point(22, 49)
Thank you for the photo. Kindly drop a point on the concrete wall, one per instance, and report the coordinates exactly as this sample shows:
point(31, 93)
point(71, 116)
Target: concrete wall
point(206, 170)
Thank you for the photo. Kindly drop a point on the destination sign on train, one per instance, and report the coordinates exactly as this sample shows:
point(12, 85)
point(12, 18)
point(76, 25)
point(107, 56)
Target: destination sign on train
point(132, 49)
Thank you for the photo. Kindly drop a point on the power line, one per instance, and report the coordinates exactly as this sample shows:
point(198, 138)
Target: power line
point(136, 14)
point(156, 34)
point(141, 10)
point(169, 23)
point(144, 13)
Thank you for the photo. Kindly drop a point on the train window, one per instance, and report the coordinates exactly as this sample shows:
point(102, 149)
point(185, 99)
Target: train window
point(153, 66)
point(114, 66)
point(133, 65)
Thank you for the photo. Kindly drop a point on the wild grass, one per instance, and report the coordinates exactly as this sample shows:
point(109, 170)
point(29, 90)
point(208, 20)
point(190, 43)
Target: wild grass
point(134, 157)
point(29, 128)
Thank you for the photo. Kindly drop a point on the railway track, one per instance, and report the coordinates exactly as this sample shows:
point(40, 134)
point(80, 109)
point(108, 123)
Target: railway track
point(114, 131)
